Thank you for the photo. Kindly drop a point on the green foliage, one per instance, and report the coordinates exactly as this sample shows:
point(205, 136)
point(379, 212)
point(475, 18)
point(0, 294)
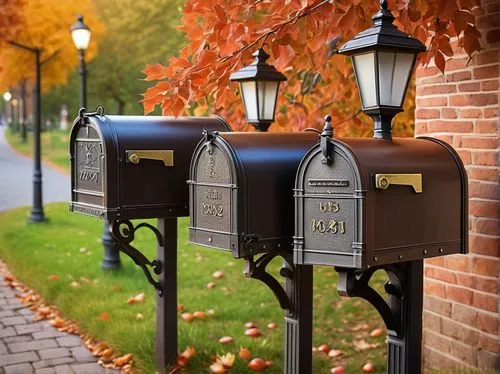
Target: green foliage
point(137, 32)
point(54, 248)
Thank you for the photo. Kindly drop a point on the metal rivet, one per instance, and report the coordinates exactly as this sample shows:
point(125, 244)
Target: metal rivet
point(210, 239)
point(425, 251)
point(400, 257)
point(441, 250)
point(375, 258)
point(264, 246)
point(279, 245)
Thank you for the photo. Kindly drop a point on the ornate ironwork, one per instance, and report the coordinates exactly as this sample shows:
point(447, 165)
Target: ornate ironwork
point(256, 269)
point(124, 233)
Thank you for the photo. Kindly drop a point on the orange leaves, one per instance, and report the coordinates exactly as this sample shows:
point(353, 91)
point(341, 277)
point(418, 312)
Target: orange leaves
point(155, 72)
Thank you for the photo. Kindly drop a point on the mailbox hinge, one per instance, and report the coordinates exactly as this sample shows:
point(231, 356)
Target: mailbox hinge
point(124, 232)
point(256, 269)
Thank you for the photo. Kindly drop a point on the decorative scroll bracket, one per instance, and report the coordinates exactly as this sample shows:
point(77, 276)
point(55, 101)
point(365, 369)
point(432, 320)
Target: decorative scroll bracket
point(256, 269)
point(354, 283)
point(124, 233)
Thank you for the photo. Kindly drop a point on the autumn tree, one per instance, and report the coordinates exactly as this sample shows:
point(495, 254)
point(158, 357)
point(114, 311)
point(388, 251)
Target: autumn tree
point(46, 27)
point(11, 19)
point(302, 38)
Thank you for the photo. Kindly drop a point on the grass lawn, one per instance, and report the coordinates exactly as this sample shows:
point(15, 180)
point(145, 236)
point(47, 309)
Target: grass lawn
point(54, 145)
point(33, 252)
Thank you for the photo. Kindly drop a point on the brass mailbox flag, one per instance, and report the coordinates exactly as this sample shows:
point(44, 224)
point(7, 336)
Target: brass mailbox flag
point(167, 156)
point(383, 181)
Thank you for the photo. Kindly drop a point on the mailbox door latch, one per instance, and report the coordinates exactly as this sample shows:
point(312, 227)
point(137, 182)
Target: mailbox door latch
point(383, 181)
point(165, 155)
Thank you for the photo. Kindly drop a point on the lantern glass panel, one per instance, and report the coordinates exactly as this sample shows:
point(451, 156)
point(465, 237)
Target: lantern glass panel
point(394, 72)
point(364, 66)
point(267, 93)
point(249, 92)
point(81, 38)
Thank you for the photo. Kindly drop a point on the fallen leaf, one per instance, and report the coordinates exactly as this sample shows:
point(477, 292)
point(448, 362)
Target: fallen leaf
point(130, 301)
point(83, 250)
point(361, 345)
point(334, 353)
point(217, 368)
point(116, 287)
point(272, 325)
point(104, 316)
point(218, 274)
point(377, 332)
point(337, 370)
point(139, 298)
point(57, 322)
point(139, 317)
point(368, 367)
point(200, 315)
point(257, 364)
point(211, 312)
point(324, 348)
point(180, 308)
point(269, 363)
point(226, 360)
point(188, 353)
point(8, 277)
point(362, 326)
point(123, 360)
point(107, 353)
point(75, 284)
point(188, 317)
point(53, 277)
point(250, 325)
point(253, 332)
point(211, 285)
point(244, 354)
point(226, 340)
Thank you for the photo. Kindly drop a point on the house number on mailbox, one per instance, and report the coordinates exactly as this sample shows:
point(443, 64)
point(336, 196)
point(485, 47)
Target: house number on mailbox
point(213, 210)
point(327, 227)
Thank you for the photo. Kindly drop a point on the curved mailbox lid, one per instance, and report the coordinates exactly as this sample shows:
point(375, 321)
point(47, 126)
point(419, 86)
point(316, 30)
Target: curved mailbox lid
point(375, 225)
point(149, 188)
point(251, 210)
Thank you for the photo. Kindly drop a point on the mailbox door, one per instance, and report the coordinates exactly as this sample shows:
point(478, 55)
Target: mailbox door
point(329, 210)
point(213, 197)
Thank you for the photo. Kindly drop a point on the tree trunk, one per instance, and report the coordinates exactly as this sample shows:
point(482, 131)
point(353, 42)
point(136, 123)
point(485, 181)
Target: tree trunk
point(121, 106)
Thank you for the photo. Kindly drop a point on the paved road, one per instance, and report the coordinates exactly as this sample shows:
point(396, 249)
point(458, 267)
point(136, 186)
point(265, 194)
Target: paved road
point(16, 173)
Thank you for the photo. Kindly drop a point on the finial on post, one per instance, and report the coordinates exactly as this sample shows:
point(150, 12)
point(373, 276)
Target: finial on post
point(326, 143)
point(383, 4)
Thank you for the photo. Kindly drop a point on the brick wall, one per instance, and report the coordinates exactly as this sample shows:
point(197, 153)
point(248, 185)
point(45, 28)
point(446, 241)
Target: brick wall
point(462, 293)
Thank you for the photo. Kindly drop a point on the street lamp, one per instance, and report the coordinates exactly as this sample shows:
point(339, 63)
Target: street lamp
point(383, 59)
point(80, 33)
point(259, 85)
point(7, 96)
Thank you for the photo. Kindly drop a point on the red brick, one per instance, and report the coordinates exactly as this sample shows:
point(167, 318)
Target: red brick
point(485, 301)
point(494, 7)
point(441, 274)
point(484, 173)
point(481, 142)
point(484, 208)
point(463, 352)
point(432, 80)
point(464, 314)
point(487, 323)
point(432, 101)
point(460, 332)
point(490, 85)
point(484, 190)
point(483, 72)
point(488, 57)
point(456, 63)
point(490, 227)
point(434, 288)
point(488, 285)
point(465, 156)
point(459, 76)
point(450, 126)
point(457, 262)
point(487, 267)
point(437, 341)
point(448, 113)
point(493, 36)
point(458, 294)
point(469, 87)
point(427, 71)
point(486, 360)
point(433, 359)
point(470, 113)
point(488, 21)
point(491, 112)
point(479, 99)
point(489, 343)
point(488, 158)
point(436, 89)
point(427, 113)
point(431, 321)
point(437, 305)
point(486, 126)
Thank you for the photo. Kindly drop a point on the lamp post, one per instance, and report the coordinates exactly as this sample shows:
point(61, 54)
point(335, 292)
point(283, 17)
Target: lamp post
point(7, 96)
point(383, 59)
point(81, 34)
point(259, 85)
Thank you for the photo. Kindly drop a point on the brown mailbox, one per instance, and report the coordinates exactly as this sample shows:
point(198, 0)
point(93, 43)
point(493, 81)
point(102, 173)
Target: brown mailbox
point(126, 167)
point(379, 202)
point(241, 190)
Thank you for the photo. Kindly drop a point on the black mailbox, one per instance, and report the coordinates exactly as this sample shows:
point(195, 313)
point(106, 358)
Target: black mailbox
point(126, 167)
point(241, 190)
point(374, 202)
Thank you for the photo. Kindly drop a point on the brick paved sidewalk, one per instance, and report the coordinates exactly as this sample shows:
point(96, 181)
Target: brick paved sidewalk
point(36, 347)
